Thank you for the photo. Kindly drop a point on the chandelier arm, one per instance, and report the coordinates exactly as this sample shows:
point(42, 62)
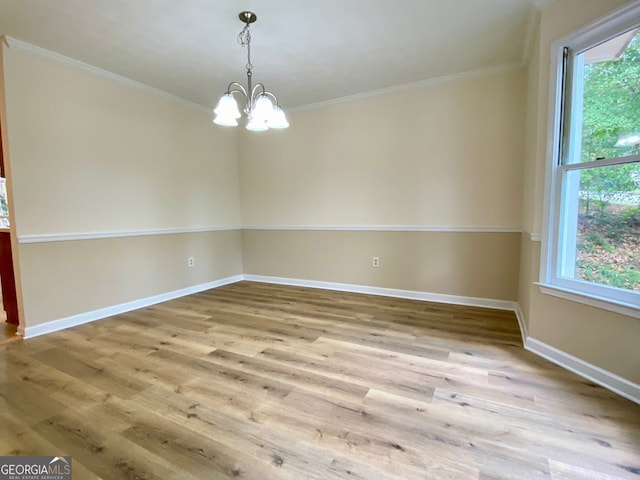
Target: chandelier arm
point(239, 88)
point(273, 97)
point(255, 90)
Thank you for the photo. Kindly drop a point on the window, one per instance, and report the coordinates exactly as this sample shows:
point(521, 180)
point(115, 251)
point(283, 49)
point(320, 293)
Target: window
point(594, 224)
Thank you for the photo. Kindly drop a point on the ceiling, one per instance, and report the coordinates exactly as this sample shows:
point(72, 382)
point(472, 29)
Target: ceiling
point(304, 52)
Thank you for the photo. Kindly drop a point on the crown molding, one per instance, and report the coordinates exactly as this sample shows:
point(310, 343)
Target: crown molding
point(456, 77)
point(37, 51)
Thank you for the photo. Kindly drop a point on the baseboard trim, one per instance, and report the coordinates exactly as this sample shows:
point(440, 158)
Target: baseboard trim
point(86, 317)
point(387, 292)
point(597, 375)
point(521, 323)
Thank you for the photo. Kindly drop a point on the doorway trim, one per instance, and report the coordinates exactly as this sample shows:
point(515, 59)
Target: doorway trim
point(6, 159)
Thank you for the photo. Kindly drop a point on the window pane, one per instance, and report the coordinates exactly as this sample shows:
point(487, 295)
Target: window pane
point(610, 99)
point(602, 241)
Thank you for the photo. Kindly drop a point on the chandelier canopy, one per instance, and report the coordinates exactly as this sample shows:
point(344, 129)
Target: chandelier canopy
point(261, 107)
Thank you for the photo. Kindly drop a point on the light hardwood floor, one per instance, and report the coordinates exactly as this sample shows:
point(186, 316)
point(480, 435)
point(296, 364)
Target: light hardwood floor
point(256, 381)
point(7, 331)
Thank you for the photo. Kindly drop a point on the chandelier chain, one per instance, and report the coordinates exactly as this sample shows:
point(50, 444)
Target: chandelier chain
point(244, 39)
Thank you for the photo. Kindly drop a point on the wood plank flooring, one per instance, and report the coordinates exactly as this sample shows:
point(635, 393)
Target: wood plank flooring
point(7, 332)
point(257, 381)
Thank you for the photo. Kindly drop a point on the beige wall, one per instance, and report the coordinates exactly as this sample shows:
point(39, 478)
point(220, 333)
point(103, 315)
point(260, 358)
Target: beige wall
point(466, 264)
point(532, 170)
point(605, 339)
point(91, 155)
point(447, 155)
point(443, 155)
point(66, 278)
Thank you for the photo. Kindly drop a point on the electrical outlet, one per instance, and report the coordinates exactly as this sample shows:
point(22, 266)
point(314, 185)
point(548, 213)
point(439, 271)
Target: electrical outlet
point(375, 261)
point(191, 261)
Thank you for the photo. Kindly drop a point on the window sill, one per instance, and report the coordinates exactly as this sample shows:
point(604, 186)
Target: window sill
point(591, 300)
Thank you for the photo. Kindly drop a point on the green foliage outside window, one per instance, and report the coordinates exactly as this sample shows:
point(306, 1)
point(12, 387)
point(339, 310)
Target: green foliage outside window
point(609, 221)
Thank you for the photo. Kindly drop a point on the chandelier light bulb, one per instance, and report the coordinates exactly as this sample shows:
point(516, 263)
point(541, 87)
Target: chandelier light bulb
point(263, 109)
point(227, 107)
point(256, 125)
point(278, 119)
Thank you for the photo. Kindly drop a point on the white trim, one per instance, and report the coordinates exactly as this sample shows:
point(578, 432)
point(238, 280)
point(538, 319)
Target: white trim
point(66, 237)
point(37, 51)
point(605, 162)
point(456, 77)
point(552, 142)
point(534, 237)
point(387, 292)
point(386, 228)
point(604, 378)
point(591, 300)
point(521, 322)
point(91, 316)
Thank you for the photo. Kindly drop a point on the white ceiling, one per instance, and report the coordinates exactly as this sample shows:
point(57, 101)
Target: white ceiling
point(304, 52)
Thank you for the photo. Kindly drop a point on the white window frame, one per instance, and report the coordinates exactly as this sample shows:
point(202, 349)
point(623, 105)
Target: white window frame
point(601, 296)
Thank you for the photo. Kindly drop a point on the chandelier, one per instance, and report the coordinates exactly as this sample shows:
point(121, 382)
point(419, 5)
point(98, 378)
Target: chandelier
point(261, 107)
